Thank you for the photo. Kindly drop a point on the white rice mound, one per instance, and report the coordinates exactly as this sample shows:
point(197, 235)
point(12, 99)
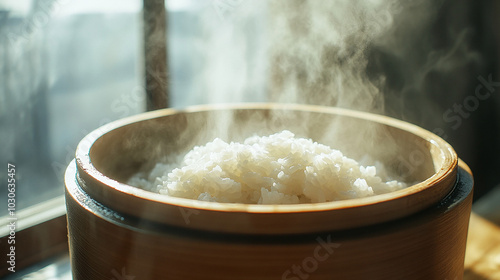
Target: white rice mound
point(275, 169)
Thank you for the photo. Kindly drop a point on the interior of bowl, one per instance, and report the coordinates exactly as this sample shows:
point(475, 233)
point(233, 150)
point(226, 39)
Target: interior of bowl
point(138, 146)
point(112, 154)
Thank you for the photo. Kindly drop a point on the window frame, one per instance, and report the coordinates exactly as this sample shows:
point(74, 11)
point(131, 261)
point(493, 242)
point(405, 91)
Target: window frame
point(41, 233)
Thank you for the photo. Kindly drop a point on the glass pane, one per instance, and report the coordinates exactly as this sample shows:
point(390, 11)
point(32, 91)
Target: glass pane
point(66, 68)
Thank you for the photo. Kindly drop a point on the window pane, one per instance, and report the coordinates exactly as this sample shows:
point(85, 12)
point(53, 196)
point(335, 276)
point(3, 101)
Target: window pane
point(67, 67)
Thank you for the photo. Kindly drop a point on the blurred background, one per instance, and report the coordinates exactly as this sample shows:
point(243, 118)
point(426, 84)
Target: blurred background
point(70, 66)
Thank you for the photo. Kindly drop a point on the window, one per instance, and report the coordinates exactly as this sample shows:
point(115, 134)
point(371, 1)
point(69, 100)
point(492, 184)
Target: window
point(68, 67)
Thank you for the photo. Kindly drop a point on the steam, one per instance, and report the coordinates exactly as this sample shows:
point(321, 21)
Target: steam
point(352, 54)
point(293, 51)
point(319, 51)
point(233, 44)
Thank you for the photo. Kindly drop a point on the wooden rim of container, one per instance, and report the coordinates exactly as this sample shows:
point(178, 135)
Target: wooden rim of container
point(267, 219)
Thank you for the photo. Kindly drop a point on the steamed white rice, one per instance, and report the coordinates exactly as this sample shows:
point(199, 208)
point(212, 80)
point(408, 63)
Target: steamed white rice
point(275, 169)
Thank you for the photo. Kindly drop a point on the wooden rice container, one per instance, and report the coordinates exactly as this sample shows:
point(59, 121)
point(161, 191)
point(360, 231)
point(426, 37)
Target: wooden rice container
point(119, 231)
